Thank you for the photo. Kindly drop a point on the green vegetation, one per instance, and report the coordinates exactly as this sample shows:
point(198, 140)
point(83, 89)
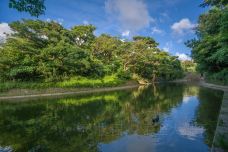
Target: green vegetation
point(85, 82)
point(45, 54)
point(33, 7)
point(188, 66)
point(74, 82)
point(210, 50)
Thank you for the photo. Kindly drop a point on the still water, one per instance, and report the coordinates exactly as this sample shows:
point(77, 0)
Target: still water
point(170, 117)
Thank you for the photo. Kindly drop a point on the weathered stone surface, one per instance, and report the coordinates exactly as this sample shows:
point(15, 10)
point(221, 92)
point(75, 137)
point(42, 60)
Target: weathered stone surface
point(221, 133)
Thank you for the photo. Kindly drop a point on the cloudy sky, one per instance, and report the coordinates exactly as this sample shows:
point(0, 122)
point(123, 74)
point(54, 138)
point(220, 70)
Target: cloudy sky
point(169, 22)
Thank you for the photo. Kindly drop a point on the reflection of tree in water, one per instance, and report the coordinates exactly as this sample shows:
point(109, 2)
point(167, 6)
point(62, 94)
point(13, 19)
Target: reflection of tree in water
point(207, 112)
point(190, 90)
point(81, 123)
point(139, 111)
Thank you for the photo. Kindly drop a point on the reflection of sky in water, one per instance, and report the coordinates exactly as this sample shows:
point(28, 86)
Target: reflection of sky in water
point(177, 133)
point(6, 149)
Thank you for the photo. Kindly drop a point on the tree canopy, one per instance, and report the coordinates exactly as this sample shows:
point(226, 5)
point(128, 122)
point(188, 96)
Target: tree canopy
point(33, 7)
point(46, 51)
point(210, 49)
point(219, 3)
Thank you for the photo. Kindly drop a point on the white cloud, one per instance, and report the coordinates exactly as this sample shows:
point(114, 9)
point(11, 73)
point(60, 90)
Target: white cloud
point(7, 148)
point(44, 37)
point(186, 99)
point(58, 20)
point(168, 46)
point(132, 14)
point(164, 17)
point(48, 20)
point(183, 26)
point(85, 22)
point(126, 33)
point(166, 49)
point(182, 56)
point(156, 30)
point(191, 132)
point(5, 30)
point(123, 40)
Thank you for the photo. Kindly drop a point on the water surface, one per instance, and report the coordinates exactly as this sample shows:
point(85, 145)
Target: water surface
point(120, 121)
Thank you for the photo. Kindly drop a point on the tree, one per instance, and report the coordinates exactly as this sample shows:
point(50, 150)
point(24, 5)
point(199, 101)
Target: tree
point(46, 51)
point(83, 35)
point(210, 49)
point(150, 42)
point(33, 7)
point(146, 60)
point(219, 3)
point(188, 66)
point(106, 49)
point(41, 50)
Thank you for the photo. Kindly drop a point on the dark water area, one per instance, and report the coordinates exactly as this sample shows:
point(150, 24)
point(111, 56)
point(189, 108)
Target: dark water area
point(168, 117)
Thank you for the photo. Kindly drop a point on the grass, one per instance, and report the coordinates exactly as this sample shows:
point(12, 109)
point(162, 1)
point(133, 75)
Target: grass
point(74, 82)
point(78, 102)
point(78, 82)
point(24, 85)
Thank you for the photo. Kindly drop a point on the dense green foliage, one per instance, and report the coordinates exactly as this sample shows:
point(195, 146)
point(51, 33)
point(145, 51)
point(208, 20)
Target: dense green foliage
point(46, 51)
point(210, 50)
point(188, 66)
point(76, 81)
point(218, 3)
point(33, 7)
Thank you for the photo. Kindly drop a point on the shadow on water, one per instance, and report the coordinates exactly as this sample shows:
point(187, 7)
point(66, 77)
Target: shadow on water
point(167, 117)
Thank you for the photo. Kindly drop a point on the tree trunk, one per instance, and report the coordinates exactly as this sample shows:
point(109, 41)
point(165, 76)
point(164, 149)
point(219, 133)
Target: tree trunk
point(153, 78)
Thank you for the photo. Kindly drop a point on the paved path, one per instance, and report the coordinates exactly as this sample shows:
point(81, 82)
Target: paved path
point(214, 86)
point(221, 133)
point(69, 93)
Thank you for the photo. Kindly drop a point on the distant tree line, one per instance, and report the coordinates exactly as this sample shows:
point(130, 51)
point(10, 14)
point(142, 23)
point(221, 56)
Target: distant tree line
point(46, 51)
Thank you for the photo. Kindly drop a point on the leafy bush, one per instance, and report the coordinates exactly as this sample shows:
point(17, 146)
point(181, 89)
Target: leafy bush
point(219, 78)
point(125, 75)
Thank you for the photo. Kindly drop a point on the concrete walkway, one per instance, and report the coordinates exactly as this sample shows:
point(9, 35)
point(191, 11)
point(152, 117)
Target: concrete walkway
point(221, 133)
point(92, 90)
point(214, 86)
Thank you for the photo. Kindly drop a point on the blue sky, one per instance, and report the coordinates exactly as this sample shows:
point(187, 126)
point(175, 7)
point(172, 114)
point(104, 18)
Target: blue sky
point(169, 22)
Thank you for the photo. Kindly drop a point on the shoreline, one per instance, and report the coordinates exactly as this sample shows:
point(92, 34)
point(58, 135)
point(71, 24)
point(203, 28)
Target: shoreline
point(69, 91)
point(34, 93)
point(213, 86)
